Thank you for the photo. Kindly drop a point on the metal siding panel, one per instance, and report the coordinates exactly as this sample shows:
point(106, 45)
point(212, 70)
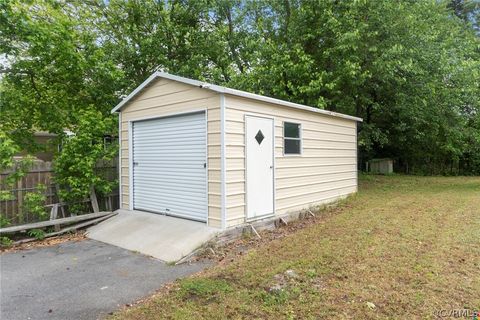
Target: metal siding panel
point(170, 176)
point(328, 159)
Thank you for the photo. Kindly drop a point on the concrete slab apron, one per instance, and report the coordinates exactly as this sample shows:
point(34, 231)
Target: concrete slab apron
point(165, 238)
point(79, 280)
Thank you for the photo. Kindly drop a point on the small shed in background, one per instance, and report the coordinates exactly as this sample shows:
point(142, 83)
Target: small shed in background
point(380, 166)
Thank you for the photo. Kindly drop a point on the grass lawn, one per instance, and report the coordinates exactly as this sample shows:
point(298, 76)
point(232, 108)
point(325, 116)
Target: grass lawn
point(403, 248)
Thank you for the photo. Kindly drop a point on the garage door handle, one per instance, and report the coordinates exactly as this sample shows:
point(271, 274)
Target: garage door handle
point(205, 165)
point(135, 163)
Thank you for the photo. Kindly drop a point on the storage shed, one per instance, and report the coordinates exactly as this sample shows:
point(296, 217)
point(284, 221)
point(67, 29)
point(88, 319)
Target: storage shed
point(226, 157)
point(380, 166)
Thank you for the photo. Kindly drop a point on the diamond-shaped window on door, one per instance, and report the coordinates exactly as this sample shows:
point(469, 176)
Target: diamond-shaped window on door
point(259, 136)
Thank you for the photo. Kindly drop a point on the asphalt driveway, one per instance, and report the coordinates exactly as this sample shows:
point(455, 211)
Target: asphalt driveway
point(79, 280)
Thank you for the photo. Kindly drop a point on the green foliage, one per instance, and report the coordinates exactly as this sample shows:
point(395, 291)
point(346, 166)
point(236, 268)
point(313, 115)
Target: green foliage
point(410, 69)
point(203, 288)
point(34, 202)
point(17, 168)
point(75, 167)
point(55, 67)
point(5, 241)
point(4, 221)
point(8, 149)
point(467, 10)
point(37, 234)
point(6, 195)
point(58, 78)
point(278, 297)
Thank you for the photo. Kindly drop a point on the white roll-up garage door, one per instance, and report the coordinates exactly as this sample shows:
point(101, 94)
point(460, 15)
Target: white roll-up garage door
point(169, 166)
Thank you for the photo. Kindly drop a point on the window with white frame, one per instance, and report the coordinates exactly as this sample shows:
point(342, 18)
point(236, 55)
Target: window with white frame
point(292, 141)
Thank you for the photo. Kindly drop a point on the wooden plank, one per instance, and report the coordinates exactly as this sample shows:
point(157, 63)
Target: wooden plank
point(109, 203)
point(83, 224)
point(60, 204)
point(62, 208)
point(54, 216)
point(43, 224)
point(68, 229)
point(20, 195)
point(42, 173)
point(54, 212)
point(93, 198)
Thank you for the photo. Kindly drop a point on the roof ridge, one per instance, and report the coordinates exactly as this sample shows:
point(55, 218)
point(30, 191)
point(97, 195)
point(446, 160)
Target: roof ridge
point(226, 90)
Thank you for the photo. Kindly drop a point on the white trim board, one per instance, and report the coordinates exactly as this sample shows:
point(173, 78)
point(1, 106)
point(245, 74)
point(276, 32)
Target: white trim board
point(225, 90)
point(120, 147)
point(130, 165)
point(223, 164)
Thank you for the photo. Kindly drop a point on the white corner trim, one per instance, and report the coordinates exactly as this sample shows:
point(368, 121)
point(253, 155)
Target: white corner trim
point(130, 165)
point(230, 91)
point(356, 158)
point(223, 163)
point(207, 165)
point(120, 147)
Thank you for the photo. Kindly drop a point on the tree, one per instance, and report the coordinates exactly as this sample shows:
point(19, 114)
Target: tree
point(415, 85)
point(56, 72)
point(410, 69)
point(468, 11)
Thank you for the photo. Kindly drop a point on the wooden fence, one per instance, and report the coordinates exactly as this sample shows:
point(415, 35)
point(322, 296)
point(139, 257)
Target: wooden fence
point(41, 173)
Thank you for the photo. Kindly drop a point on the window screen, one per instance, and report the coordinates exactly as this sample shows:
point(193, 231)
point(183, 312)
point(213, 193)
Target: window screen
point(291, 138)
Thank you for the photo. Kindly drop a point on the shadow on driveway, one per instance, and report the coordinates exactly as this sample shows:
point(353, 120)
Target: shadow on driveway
point(79, 280)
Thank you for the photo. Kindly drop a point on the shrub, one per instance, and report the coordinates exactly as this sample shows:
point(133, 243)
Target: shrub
point(5, 241)
point(34, 202)
point(37, 234)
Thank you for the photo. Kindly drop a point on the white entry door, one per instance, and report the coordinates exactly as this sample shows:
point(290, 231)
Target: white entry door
point(169, 166)
point(259, 140)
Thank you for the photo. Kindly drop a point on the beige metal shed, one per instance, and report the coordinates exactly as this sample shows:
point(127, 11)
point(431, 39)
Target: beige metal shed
point(226, 157)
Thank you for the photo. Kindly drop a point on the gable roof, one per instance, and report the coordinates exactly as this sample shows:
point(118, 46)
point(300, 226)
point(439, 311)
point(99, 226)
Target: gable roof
point(225, 90)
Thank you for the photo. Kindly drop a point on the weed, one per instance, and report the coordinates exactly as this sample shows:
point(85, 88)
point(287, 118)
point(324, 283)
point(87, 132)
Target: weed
point(34, 202)
point(4, 221)
point(203, 288)
point(37, 234)
point(5, 241)
point(311, 273)
point(274, 297)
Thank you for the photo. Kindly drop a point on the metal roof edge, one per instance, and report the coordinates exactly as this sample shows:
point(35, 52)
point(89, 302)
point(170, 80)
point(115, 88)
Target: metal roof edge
point(134, 92)
point(225, 90)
